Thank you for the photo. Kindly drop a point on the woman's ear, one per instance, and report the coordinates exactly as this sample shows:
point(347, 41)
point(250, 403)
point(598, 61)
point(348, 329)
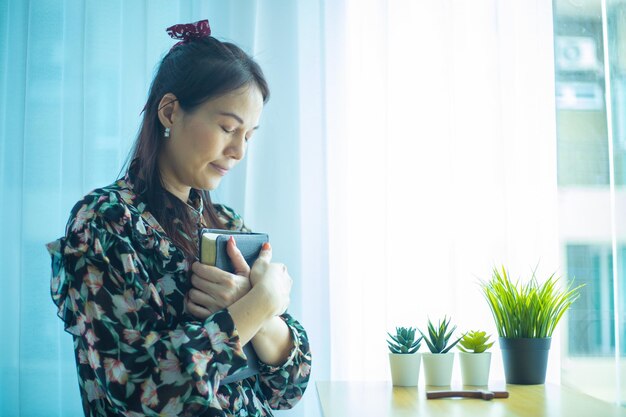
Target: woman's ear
point(168, 109)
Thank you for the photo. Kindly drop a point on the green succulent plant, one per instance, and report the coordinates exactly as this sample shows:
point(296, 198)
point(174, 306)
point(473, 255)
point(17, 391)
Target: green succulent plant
point(530, 310)
point(437, 339)
point(475, 342)
point(404, 341)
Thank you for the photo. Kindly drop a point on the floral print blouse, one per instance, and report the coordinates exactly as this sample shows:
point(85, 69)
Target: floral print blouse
point(119, 283)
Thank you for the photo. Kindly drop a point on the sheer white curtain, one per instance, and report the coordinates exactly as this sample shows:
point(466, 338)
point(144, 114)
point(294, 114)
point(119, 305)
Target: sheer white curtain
point(75, 78)
point(408, 146)
point(441, 164)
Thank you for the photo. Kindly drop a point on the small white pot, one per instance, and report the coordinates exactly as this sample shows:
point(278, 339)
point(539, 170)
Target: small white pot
point(475, 368)
point(405, 368)
point(438, 368)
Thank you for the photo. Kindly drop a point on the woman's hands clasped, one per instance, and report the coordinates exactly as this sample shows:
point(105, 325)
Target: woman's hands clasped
point(214, 289)
point(273, 280)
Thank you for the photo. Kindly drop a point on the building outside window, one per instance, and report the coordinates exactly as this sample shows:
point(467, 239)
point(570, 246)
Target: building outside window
point(591, 148)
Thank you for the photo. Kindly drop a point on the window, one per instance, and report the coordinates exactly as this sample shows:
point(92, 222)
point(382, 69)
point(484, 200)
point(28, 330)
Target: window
point(591, 148)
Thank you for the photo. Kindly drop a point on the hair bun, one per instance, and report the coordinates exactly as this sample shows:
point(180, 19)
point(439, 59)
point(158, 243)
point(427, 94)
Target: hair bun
point(188, 31)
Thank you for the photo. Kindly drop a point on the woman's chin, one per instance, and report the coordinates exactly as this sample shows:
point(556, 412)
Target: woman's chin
point(209, 184)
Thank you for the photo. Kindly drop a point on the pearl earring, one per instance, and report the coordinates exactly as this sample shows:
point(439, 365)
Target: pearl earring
point(167, 132)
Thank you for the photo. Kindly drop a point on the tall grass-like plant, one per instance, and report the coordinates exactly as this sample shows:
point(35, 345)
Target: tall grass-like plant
point(530, 310)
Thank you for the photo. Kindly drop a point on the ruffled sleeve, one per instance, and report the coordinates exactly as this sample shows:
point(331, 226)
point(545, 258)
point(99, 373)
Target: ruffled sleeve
point(126, 354)
point(284, 385)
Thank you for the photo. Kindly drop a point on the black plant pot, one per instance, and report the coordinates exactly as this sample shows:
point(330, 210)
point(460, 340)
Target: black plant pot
point(525, 360)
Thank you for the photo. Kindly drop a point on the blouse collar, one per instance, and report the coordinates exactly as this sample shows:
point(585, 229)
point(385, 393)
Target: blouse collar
point(195, 201)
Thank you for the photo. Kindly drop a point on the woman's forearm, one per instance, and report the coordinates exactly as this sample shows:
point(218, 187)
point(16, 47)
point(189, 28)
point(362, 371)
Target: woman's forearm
point(250, 313)
point(254, 321)
point(273, 342)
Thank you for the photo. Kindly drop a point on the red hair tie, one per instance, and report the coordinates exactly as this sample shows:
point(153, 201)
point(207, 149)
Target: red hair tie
point(189, 31)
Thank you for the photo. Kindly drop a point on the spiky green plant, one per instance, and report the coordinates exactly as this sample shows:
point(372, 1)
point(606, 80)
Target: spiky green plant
point(437, 339)
point(404, 341)
point(474, 341)
point(530, 310)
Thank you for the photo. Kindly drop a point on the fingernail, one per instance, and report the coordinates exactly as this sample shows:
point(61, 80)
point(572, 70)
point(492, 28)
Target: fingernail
point(232, 238)
point(266, 246)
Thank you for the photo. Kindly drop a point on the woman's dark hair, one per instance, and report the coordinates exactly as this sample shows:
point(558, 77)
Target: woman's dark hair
point(194, 72)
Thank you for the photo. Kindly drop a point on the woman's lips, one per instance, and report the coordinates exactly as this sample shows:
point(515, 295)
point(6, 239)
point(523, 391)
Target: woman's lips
point(219, 169)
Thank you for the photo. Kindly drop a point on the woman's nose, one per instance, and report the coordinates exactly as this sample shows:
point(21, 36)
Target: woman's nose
point(237, 147)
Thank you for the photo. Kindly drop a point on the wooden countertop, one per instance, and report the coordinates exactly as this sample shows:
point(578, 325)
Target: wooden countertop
point(379, 399)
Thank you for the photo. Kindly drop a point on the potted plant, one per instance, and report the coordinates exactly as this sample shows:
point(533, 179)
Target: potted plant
point(438, 363)
point(525, 316)
point(474, 358)
point(404, 358)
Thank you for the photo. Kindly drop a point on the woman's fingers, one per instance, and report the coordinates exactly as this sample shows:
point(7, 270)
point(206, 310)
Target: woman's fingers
point(203, 284)
point(240, 265)
point(210, 273)
point(276, 280)
point(203, 299)
point(262, 263)
point(207, 272)
point(266, 252)
point(223, 294)
point(196, 310)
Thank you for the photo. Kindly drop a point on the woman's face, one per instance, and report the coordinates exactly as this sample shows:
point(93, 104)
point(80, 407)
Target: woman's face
point(205, 144)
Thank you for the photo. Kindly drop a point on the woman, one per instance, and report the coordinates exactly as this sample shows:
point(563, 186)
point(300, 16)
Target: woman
point(154, 330)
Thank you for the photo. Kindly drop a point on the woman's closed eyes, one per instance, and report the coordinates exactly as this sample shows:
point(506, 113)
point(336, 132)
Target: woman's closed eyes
point(233, 130)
